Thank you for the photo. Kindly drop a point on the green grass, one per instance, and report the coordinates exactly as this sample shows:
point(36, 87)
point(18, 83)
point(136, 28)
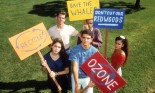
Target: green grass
point(26, 76)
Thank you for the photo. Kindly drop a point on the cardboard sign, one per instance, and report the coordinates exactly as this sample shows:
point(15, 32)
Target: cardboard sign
point(108, 18)
point(81, 9)
point(30, 41)
point(102, 74)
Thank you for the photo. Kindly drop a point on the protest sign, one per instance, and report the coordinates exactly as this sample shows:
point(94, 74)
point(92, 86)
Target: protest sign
point(102, 74)
point(81, 9)
point(108, 18)
point(30, 41)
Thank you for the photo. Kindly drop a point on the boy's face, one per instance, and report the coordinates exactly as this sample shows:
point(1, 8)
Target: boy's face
point(90, 23)
point(86, 39)
point(61, 19)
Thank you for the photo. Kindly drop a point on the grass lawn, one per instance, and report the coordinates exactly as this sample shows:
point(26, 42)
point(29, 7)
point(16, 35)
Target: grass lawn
point(18, 76)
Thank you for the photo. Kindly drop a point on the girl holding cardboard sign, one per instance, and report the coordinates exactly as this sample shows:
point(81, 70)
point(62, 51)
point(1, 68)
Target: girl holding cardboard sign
point(57, 60)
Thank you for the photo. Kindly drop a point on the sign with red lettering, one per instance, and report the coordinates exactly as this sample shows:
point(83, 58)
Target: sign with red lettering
point(103, 74)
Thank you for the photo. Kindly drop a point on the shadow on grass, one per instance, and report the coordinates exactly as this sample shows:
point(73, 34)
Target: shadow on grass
point(50, 8)
point(128, 7)
point(13, 87)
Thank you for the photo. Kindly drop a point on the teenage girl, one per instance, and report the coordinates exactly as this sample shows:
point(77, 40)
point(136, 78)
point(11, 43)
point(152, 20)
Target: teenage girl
point(57, 60)
point(120, 54)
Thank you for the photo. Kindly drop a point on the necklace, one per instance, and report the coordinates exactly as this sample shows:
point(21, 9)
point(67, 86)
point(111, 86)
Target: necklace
point(54, 56)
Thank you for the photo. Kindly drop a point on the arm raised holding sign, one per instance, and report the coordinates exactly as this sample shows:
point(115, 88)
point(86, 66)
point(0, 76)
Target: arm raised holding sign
point(97, 37)
point(56, 63)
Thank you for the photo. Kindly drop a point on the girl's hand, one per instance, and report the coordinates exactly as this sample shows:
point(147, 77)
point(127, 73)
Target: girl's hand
point(52, 74)
point(43, 63)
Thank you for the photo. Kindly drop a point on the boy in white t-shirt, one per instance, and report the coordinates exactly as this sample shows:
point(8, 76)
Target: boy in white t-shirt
point(61, 30)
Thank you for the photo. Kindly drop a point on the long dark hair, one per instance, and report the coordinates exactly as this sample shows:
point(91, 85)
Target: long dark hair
point(125, 47)
point(62, 53)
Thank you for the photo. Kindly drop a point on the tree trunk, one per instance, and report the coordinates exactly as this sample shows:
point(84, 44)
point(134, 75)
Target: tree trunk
point(137, 4)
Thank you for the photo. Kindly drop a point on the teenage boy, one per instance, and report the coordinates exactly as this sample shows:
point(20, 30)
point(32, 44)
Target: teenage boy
point(78, 55)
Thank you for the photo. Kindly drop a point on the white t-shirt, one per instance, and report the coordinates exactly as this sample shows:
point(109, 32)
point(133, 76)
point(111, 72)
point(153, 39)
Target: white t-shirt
point(64, 34)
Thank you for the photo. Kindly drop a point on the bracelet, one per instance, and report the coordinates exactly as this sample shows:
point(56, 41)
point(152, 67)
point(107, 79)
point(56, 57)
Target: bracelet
point(56, 73)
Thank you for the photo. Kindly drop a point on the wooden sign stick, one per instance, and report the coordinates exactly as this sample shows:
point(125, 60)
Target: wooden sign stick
point(49, 70)
point(105, 45)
